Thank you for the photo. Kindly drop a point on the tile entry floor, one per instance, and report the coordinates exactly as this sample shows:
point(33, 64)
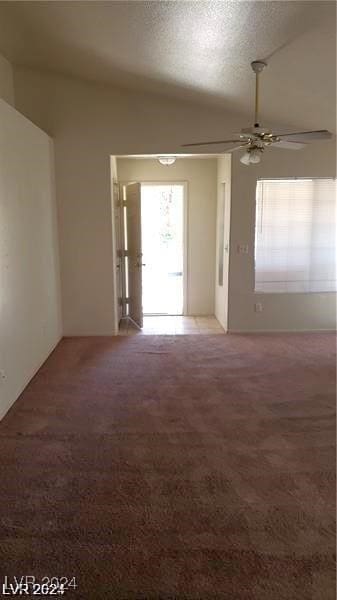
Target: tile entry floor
point(173, 325)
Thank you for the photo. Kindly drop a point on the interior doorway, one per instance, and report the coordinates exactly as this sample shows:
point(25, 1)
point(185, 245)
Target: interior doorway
point(163, 229)
point(171, 235)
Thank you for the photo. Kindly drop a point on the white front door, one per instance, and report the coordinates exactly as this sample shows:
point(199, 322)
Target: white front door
point(119, 248)
point(134, 252)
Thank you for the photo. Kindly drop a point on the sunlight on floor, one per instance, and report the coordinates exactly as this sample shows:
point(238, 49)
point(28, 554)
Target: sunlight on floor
point(176, 325)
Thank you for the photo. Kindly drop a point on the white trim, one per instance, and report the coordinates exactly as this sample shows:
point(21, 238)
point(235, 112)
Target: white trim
point(291, 293)
point(185, 250)
point(293, 178)
point(115, 326)
point(273, 331)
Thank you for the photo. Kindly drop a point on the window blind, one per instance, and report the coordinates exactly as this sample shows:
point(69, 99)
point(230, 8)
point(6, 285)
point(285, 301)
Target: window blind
point(295, 235)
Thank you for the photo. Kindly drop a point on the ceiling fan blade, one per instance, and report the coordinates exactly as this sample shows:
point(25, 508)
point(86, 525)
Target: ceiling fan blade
point(210, 143)
point(288, 145)
point(320, 134)
point(236, 148)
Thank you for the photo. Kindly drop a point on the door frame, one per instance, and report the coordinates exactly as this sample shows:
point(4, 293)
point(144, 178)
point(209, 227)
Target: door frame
point(184, 184)
point(115, 205)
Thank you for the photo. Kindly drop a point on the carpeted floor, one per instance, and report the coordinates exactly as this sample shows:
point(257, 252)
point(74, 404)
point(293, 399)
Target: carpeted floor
point(188, 467)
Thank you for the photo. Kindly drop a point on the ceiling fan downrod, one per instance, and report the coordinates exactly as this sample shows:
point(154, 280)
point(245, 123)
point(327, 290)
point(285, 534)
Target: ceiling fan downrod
point(257, 66)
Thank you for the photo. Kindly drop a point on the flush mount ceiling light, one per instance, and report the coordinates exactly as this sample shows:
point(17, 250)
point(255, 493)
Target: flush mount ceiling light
point(167, 160)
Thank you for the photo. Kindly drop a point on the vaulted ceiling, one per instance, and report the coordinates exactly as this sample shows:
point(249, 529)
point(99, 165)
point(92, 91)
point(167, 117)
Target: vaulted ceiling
point(194, 50)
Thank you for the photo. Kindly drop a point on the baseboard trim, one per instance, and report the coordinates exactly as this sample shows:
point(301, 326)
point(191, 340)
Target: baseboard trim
point(272, 331)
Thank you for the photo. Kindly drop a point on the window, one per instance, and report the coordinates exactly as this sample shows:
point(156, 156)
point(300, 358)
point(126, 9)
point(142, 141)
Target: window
point(295, 235)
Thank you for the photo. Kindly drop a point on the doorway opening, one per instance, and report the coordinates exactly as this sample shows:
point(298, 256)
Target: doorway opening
point(163, 247)
point(168, 242)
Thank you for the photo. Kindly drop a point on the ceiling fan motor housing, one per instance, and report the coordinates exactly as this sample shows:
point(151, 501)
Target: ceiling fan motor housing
point(255, 131)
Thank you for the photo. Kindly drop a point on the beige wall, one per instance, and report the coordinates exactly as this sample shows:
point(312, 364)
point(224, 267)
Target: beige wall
point(200, 175)
point(6, 81)
point(92, 122)
point(30, 315)
point(89, 123)
point(280, 311)
point(224, 207)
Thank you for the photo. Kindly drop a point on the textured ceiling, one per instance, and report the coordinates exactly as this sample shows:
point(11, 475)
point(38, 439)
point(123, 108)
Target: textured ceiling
point(194, 50)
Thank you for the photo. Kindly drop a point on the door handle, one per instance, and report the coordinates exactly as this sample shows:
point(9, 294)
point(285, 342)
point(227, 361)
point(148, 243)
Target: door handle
point(139, 264)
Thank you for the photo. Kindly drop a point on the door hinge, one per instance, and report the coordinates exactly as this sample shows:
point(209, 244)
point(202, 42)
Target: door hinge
point(123, 301)
point(116, 194)
point(122, 253)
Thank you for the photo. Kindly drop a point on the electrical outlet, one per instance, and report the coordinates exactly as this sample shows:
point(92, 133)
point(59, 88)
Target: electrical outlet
point(258, 306)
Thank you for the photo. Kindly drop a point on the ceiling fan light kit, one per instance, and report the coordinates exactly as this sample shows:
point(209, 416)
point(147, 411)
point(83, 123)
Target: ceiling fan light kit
point(257, 138)
point(252, 157)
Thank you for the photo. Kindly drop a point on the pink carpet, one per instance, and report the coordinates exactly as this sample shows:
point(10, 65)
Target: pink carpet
point(187, 467)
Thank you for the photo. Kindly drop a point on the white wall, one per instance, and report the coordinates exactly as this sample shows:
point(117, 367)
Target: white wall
point(6, 81)
point(280, 311)
point(89, 123)
point(223, 222)
point(30, 315)
point(200, 175)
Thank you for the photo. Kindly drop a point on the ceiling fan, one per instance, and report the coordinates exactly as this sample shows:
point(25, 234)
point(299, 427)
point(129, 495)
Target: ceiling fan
point(257, 138)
